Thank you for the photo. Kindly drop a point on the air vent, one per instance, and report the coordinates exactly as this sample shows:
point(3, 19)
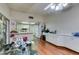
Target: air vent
point(31, 17)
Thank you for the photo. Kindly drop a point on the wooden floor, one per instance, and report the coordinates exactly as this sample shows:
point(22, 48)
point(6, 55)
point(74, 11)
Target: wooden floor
point(45, 48)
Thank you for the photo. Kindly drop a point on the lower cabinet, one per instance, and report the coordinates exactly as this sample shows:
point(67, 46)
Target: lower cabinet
point(70, 42)
point(55, 39)
point(74, 44)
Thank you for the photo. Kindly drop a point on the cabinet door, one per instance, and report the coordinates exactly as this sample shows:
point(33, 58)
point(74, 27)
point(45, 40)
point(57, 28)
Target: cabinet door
point(50, 38)
point(55, 39)
point(60, 40)
point(72, 43)
point(47, 37)
point(75, 44)
point(68, 41)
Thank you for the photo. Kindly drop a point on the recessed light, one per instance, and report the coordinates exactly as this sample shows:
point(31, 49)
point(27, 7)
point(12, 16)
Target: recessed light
point(56, 6)
point(48, 6)
point(28, 22)
point(65, 4)
point(53, 7)
point(25, 22)
point(32, 23)
point(59, 7)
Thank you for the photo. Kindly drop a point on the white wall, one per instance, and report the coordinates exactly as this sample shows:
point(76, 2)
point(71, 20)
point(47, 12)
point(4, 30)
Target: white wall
point(4, 10)
point(65, 22)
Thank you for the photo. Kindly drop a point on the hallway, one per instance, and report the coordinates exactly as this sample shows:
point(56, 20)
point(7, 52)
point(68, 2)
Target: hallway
point(45, 48)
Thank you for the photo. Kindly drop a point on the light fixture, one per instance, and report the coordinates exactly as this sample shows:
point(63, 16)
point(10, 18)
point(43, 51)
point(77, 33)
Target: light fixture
point(48, 6)
point(32, 23)
point(53, 7)
point(56, 6)
point(25, 22)
point(28, 22)
point(59, 7)
point(65, 4)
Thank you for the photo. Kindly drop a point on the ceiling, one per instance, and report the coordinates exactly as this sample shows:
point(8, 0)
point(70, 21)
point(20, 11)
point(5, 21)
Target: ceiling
point(37, 8)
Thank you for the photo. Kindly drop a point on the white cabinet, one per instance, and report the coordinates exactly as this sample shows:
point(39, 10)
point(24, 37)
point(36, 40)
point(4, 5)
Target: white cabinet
point(70, 42)
point(59, 40)
point(67, 41)
point(49, 38)
point(55, 39)
point(73, 44)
